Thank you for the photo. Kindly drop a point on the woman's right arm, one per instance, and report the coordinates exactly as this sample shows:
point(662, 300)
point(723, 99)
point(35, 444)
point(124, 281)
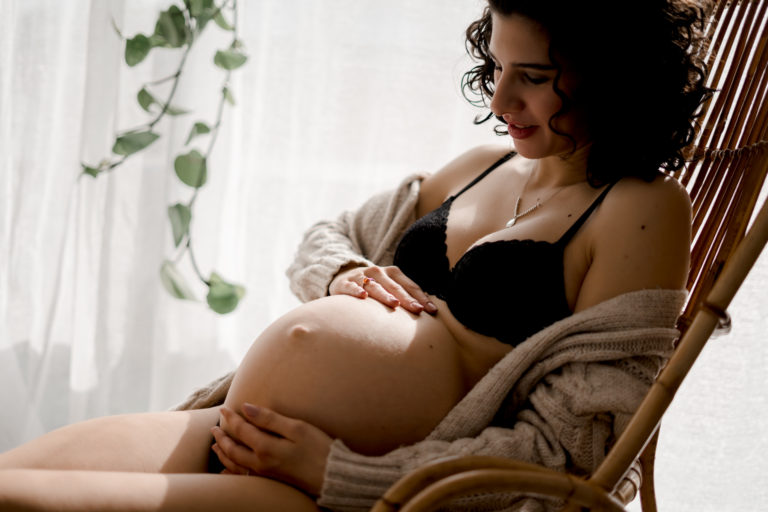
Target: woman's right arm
point(335, 256)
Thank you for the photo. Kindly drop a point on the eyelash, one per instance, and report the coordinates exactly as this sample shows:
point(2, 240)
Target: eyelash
point(535, 80)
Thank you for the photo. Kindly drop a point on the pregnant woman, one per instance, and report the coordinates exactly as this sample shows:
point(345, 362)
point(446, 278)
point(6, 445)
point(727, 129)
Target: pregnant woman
point(514, 303)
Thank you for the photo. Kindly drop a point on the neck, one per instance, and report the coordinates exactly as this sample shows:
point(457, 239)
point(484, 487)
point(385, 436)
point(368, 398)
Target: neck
point(558, 171)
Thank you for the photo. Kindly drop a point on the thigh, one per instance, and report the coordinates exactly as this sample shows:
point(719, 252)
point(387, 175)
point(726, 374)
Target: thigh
point(69, 491)
point(163, 442)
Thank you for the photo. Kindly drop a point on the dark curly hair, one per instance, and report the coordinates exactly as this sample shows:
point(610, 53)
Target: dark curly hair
point(640, 78)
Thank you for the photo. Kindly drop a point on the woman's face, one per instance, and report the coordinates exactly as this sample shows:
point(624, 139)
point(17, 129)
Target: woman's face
point(524, 96)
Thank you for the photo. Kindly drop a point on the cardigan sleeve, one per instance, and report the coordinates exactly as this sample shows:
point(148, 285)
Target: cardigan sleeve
point(568, 422)
point(367, 236)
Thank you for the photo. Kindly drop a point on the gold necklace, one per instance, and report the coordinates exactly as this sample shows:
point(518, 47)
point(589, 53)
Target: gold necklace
point(516, 215)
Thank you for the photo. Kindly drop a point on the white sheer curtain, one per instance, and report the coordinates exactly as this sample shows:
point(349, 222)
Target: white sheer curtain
point(339, 99)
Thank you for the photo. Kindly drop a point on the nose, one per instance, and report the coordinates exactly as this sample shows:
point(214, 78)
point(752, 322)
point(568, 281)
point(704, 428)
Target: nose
point(506, 99)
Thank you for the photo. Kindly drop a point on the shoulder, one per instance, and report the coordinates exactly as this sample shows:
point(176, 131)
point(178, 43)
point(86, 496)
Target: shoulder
point(636, 199)
point(457, 173)
point(658, 211)
point(640, 239)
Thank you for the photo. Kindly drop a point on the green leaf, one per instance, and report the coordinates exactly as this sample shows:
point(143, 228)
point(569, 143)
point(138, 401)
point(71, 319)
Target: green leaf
point(223, 297)
point(228, 96)
point(136, 49)
point(172, 26)
point(174, 281)
point(180, 215)
point(195, 7)
point(229, 59)
point(175, 111)
point(90, 171)
point(132, 142)
point(145, 99)
point(198, 129)
point(158, 41)
point(222, 22)
point(191, 169)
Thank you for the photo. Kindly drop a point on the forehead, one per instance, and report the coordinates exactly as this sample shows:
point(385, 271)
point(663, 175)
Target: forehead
point(515, 38)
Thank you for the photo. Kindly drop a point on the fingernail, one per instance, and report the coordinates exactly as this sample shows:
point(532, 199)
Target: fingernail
point(417, 306)
point(431, 308)
point(250, 410)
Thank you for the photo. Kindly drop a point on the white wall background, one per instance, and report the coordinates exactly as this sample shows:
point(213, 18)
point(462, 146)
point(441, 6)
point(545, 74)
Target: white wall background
point(339, 99)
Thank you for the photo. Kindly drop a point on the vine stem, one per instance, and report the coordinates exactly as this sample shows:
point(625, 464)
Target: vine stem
point(192, 259)
point(216, 127)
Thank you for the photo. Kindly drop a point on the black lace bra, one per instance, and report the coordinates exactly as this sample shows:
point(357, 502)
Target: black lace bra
point(508, 289)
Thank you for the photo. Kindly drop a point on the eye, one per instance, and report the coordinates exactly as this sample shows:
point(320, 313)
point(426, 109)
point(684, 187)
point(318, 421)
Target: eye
point(536, 80)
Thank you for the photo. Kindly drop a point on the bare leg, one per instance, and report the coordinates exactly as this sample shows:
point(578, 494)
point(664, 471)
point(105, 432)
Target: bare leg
point(164, 442)
point(82, 491)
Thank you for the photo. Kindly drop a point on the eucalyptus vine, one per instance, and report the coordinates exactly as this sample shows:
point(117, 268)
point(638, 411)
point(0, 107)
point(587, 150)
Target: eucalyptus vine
point(179, 28)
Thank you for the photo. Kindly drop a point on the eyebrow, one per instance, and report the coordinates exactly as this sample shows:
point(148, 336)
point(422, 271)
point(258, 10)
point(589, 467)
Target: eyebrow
point(542, 67)
point(531, 65)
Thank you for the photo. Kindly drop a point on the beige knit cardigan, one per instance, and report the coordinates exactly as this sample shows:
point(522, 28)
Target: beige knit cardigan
point(557, 399)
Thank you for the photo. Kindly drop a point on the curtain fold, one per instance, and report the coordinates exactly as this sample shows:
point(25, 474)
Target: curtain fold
point(338, 100)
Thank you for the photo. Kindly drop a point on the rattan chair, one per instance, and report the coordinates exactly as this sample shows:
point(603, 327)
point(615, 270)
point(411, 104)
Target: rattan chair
point(724, 184)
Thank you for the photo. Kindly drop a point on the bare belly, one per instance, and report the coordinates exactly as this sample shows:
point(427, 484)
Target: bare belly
point(374, 377)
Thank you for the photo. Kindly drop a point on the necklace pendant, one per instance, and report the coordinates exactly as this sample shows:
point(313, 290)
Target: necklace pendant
point(511, 222)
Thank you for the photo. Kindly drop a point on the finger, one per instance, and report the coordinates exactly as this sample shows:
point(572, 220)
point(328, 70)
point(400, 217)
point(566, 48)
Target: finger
point(246, 432)
point(244, 460)
point(376, 290)
point(347, 286)
point(350, 287)
point(408, 291)
point(231, 466)
point(270, 421)
point(391, 293)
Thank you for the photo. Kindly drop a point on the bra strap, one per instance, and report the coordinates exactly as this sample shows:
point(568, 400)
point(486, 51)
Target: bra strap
point(584, 216)
point(484, 174)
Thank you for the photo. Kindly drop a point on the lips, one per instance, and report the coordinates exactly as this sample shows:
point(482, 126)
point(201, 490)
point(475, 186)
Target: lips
point(520, 131)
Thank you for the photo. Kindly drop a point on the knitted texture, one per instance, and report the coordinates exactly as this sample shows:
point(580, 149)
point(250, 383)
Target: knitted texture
point(368, 236)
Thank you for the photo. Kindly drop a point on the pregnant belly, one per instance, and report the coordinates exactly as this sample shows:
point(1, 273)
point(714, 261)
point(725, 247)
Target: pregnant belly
point(374, 377)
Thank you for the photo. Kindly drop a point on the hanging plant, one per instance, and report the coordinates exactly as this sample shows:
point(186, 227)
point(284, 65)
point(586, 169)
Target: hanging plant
point(179, 28)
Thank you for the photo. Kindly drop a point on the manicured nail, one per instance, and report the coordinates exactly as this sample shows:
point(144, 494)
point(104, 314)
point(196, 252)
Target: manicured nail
point(417, 306)
point(250, 410)
point(431, 308)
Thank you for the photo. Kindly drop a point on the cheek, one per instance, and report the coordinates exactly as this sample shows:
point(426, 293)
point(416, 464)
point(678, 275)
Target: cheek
point(549, 105)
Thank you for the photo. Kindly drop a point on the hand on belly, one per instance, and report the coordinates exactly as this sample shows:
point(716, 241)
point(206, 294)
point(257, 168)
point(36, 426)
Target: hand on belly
point(374, 377)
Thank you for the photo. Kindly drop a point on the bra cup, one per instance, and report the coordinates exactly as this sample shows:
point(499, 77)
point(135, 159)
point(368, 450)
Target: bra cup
point(421, 253)
point(509, 289)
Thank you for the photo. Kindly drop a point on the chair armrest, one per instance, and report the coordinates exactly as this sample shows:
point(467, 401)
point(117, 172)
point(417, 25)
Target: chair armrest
point(435, 484)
